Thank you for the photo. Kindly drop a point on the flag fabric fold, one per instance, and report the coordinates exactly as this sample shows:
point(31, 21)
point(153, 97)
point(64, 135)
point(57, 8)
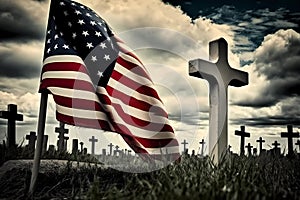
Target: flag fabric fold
point(98, 82)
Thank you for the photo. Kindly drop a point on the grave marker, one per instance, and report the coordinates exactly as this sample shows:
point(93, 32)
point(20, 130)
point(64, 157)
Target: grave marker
point(104, 152)
point(12, 116)
point(81, 147)
point(202, 143)
point(61, 136)
point(219, 75)
point(116, 150)
point(260, 141)
point(298, 144)
point(110, 148)
point(93, 140)
point(31, 140)
point(75, 147)
point(290, 135)
point(84, 151)
point(254, 151)
point(184, 146)
point(51, 149)
point(276, 147)
point(249, 147)
point(243, 134)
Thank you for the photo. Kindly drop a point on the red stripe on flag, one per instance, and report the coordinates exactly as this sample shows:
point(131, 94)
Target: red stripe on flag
point(133, 68)
point(83, 122)
point(64, 66)
point(68, 83)
point(131, 101)
point(140, 123)
point(77, 103)
point(143, 89)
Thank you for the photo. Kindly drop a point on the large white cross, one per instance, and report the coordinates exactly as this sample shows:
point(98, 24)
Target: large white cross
point(219, 75)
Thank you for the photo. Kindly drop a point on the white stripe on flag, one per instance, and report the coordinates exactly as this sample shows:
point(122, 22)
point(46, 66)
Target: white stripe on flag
point(63, 58)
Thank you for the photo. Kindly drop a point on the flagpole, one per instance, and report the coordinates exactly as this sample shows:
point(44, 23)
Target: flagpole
point(39, 144)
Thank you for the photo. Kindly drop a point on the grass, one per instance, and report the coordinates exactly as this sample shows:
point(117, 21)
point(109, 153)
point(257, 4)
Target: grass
point(263, 177)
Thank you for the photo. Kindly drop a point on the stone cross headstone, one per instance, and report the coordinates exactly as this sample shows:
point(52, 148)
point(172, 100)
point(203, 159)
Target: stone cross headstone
point(298, 144)
point(290, 135)
point(31, 140)
point(276, 147)
point(260, 141)
point(184, 145)
point(93, 140)
point(61, 136)
point(12, 116)
point(45, 144)
point(219, 75)
point(202, 143)
point(249, 147)
point(75, 147)
point(110, 148)
point(117, 150)
point(81, 147)
point(243, 134)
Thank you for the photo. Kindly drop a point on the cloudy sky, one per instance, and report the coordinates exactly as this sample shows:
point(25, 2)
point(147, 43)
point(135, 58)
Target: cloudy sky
point(263, 38)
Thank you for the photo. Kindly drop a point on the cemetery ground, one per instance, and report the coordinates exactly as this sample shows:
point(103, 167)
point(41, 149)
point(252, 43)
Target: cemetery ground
point(236, 177)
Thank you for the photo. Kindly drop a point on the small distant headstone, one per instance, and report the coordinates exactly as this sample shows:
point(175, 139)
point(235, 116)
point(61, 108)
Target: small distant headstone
point(243, 134)
point(254, 151)
point(31, 140)
point(184, 145)
point(116, 151)
point(202, 143)
point(229, 148)
point(84, 151)
point(61, 136)
point(260, 141)
point(51, 149)
point(290, 135)
point(65, 143)
point(93, 140)
point(298, 144)
point(45, 144)
point(75, 147)
point(12, 116)
point(110, 148)
point(104, 152)
point(193, 152)
point(276, 148)
point(249, 147)
point(81, 147)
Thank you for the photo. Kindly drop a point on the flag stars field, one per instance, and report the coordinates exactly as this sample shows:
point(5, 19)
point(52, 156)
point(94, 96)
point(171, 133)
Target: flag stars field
point(98, 34)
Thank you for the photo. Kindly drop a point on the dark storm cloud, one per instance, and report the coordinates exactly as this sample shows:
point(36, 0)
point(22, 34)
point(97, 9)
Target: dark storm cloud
point(267, 121)
point(277, 59)
point(254, 24)
point(22, 20)
point(20, 60)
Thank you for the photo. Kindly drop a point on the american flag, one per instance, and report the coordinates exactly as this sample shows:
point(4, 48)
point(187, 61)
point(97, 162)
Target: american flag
point(98, 82)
